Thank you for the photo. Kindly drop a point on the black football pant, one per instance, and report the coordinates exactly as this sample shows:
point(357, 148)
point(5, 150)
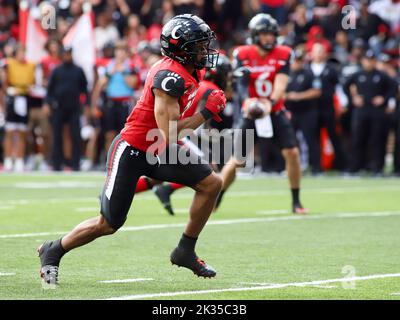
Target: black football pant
point(307, 122)
point(369, 139)
point(58, 119)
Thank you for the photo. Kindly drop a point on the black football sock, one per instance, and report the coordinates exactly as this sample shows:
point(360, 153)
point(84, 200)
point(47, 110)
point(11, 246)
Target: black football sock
point(295, 196)
point(169, 189)
point(187, 243)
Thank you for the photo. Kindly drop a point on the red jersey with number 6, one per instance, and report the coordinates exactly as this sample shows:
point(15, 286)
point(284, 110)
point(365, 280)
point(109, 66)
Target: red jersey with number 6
point(263, 69)
point(172, 78)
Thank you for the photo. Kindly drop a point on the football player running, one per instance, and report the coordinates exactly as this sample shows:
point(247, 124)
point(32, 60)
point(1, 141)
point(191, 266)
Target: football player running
point(218, 78)
point(263, 68)
point(170, 88)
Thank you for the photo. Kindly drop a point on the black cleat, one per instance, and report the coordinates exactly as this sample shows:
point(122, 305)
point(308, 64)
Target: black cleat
point(189, 260)
point(163, 193)
point(49, 265)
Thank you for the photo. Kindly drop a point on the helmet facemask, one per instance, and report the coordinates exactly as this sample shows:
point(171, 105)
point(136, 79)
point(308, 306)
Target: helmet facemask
point(200, 54)
point(267, 46)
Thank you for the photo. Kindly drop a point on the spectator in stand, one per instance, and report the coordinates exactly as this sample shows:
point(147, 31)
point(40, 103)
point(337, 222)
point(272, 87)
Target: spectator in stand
point(301, 24)
point(134, 33)
point(332, 22)
point(388, 10)
point(17, 77)
point(367, 23)
point(119, 82)
point(187, 6)
point(316, 35)
point(63, 103)
point(275, 8)
point(39, 126)
point(341, 48)
point(105, 30)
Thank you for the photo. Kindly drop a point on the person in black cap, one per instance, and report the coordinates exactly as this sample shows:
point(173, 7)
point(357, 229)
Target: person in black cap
point(67, 83)
point(301, 93)
point(325, 73)
point(388, 66)
point(369, 91)
point(353, 65)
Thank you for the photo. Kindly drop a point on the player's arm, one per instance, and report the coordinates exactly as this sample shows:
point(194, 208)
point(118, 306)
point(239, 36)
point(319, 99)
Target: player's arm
point(166, 111)
point(281, 81)
point(167, 88)
point(131, 79)
point(98, 88)
point(312, 93)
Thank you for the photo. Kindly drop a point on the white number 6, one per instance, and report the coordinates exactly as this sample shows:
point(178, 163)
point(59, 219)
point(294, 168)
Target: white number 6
point(263, 86)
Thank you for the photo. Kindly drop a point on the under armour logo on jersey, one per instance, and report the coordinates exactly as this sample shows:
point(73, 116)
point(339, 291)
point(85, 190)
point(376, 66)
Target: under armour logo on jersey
point(134, 153)
point(171, 76)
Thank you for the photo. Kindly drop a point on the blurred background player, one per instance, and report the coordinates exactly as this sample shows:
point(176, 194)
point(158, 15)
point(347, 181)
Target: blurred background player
point(265, 67)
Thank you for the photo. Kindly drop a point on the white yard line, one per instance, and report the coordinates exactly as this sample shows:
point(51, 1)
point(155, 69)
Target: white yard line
point(7, 274)
point(273, 284)
point(126, 280)
point(7, 208)
point(260, 288)
point(226, 222)
point(269, 212)
point(250, 193)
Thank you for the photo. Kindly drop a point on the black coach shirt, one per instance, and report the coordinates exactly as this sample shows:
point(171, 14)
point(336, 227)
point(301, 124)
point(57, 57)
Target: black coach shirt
point(371, 84)
point(328, 78)
point(67, 82)
point(299, 81)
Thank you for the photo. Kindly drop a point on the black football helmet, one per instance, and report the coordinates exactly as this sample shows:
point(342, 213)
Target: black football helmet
point(222, 73)
point(186, 38)
point(263, 22)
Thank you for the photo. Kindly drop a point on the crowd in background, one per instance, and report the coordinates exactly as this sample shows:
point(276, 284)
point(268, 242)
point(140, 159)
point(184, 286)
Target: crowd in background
point(71, 125)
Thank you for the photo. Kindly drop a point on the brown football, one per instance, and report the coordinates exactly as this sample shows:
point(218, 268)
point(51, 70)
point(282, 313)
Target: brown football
point(255, 111)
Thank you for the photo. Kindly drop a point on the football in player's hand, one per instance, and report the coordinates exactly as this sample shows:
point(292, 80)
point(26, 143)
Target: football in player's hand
point(255, 110)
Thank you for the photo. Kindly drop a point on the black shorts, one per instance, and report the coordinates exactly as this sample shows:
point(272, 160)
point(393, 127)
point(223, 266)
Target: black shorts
point(126, 164)
point(283, 133)
point(115, 114)
point(12, 117)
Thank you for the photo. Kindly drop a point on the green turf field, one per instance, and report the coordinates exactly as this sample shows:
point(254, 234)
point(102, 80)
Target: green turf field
point(259, 250)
